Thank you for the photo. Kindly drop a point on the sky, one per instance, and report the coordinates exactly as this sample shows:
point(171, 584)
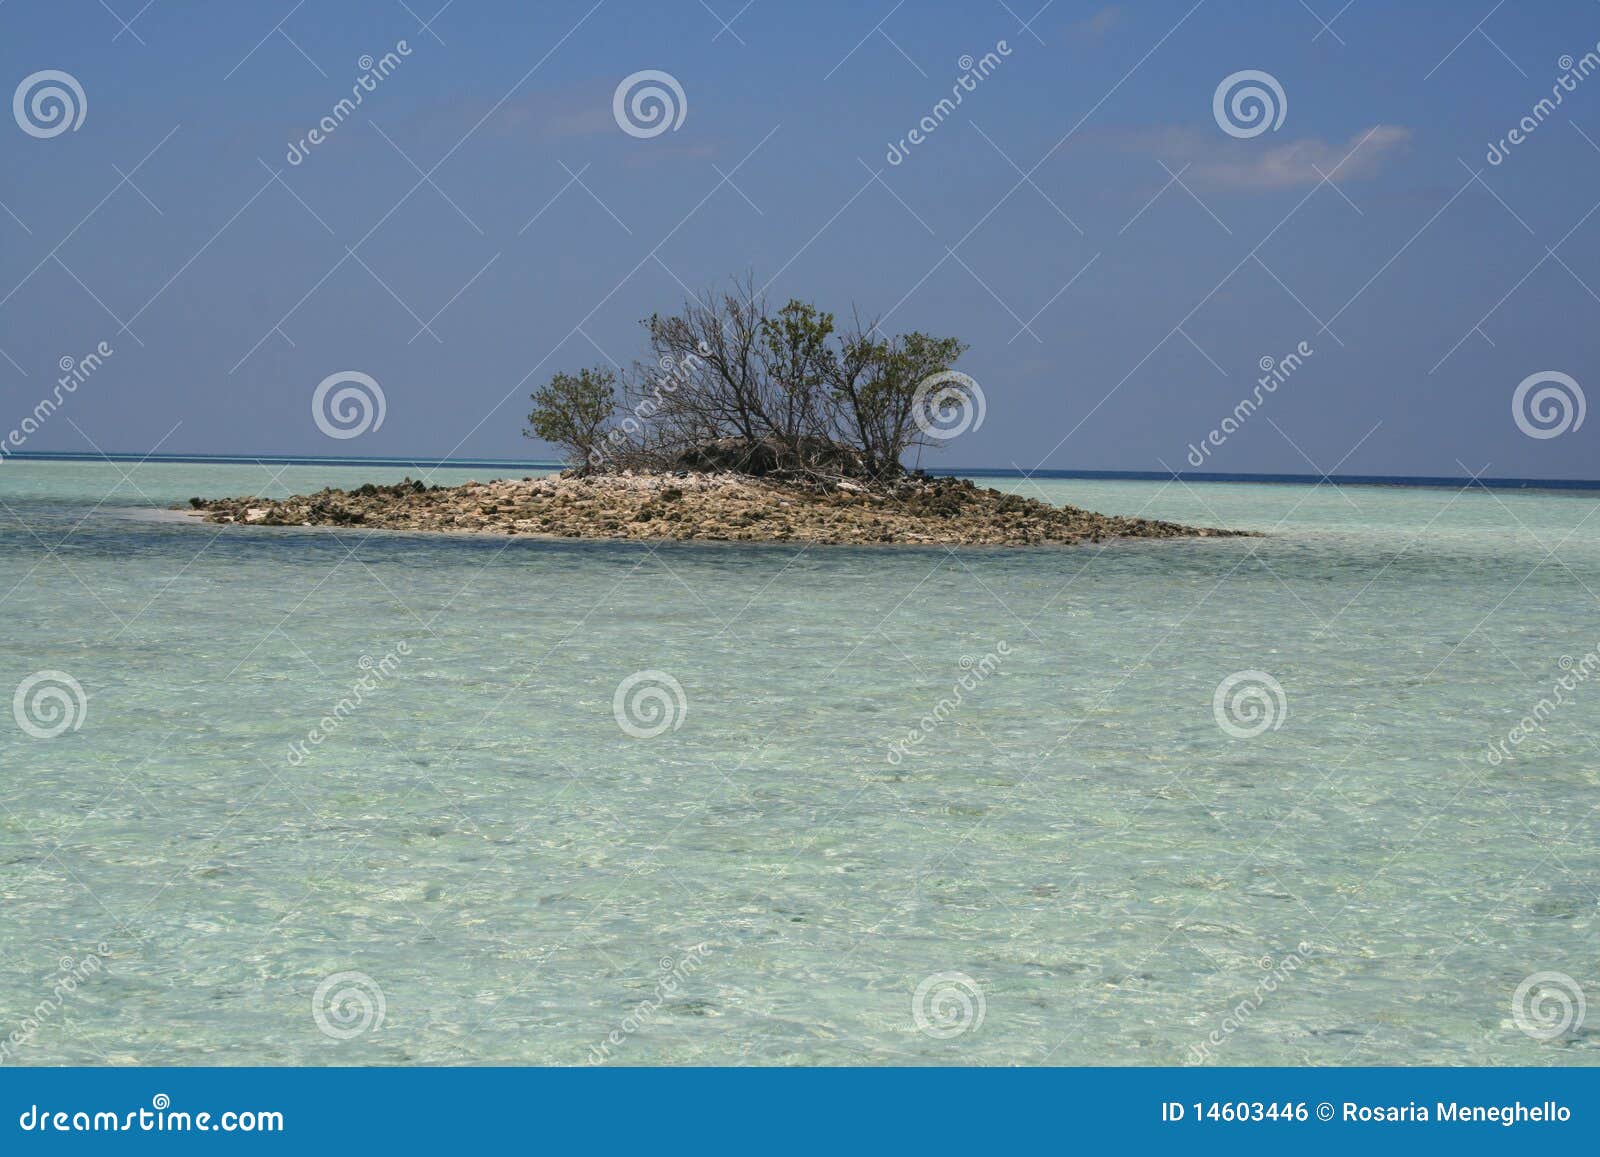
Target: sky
point(1119, 251)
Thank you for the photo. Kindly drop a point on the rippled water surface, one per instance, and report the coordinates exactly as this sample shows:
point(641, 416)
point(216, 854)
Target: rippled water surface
point(1113, 873)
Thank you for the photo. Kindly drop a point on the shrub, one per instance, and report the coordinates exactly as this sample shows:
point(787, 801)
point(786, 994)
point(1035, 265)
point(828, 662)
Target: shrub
point(733, 385)
point(573, 411)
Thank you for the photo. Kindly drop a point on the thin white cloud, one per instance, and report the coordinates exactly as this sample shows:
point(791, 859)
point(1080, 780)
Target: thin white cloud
point(1257, 165)
point(1097, 25)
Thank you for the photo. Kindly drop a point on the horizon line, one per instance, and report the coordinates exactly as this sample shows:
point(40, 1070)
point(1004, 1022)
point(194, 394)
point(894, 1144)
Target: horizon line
point(1268, 477)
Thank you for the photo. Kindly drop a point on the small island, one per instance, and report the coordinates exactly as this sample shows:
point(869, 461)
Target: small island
point(745, 424)
point(703, 506)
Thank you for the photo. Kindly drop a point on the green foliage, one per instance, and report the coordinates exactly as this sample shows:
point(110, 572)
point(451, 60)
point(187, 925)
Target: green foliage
point(573, 411)
point(876, 393)
point(731, 384)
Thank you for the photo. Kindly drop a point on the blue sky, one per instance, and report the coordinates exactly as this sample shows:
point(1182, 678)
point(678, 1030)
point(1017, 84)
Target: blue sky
point(1119, 264)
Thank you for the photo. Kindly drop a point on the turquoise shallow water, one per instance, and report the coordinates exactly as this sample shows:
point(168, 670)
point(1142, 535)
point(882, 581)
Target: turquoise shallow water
point(1116, 877)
